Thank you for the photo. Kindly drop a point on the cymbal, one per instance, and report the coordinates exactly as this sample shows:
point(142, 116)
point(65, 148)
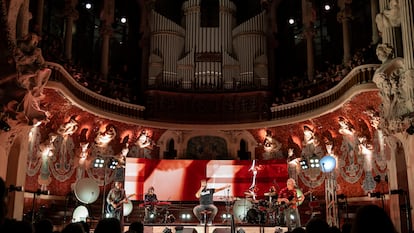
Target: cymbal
point(270, 194)
point(252, 200)
point(249, 194)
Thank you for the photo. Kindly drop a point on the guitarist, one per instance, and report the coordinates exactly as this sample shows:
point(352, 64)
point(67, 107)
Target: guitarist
point(115, 199)
point(288, 197)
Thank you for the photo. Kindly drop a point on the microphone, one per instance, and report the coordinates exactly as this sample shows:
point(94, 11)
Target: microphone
point(397, 191)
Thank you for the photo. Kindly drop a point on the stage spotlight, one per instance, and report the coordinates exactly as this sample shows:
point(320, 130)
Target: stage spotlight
point(314, 161)
point(327, 164)
point(304, 163)
point(113, 164)
point(98, 163)
point(167, 230)
point(4, 126)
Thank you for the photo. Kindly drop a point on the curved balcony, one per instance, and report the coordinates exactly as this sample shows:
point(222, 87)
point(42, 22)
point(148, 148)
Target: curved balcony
point(91, 98)
point(359, 79)
point(360, 76)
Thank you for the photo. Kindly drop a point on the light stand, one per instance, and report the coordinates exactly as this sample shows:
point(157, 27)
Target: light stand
point(101, 163)
point(227, 206)
point(328, 165)
point(103, 194)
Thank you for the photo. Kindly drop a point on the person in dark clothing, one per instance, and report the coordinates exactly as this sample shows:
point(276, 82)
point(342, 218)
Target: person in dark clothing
point(206, 202)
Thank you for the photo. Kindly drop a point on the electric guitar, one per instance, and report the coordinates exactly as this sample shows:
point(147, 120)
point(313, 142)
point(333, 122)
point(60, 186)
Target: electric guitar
point(117, 206)
point(294, 202)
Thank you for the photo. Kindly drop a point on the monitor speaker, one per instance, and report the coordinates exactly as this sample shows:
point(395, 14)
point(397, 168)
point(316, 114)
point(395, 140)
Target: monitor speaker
point(222, 230)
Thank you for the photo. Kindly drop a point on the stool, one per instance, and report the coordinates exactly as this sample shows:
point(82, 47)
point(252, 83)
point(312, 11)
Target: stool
point(205, 213)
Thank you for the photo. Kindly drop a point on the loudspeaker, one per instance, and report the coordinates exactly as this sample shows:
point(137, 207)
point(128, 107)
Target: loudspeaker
point(222, 230)
point(189, 230)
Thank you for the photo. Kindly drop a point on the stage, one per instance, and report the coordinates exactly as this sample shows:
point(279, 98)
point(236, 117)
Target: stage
point(212, 229)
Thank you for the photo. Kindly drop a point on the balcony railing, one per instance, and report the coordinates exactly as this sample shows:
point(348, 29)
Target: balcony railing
point(59, 74)
point(358, 76)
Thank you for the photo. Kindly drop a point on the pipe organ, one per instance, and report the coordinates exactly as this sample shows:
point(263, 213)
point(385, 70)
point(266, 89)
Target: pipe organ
point(191, 57)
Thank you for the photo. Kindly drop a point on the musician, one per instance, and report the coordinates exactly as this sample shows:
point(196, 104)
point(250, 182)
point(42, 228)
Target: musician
point(150, 201)
point(115, 199)
point(206, 202)
point(288, 199)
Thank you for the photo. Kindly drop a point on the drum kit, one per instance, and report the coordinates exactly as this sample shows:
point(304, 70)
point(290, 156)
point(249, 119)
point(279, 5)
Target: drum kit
point(258, 211)
point(155, 210)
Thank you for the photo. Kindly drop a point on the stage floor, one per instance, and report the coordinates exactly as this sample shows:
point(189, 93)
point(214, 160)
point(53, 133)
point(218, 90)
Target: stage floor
point(213, 229)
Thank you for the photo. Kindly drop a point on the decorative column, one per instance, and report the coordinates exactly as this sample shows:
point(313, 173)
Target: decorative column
point(407, 27)
point(407, 24)
point(23, 18)
point(374, 11)
point(308, 20)
point(387, 22)
point(39, 16)
point(106, 32)
point(71, 14)
point(344, 15)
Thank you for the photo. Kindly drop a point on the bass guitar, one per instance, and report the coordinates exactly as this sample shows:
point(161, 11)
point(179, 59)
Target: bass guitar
point(113, 207)
point(293, 202)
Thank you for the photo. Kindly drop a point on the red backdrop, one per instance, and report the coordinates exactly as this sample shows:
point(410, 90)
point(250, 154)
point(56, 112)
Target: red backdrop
point(179, 180)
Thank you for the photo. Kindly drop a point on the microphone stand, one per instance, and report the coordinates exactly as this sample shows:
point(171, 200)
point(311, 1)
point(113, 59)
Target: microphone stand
point(227, 206)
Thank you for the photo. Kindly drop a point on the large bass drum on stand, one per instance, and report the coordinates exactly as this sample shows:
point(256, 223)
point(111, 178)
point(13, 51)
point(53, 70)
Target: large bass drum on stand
point(240, 209)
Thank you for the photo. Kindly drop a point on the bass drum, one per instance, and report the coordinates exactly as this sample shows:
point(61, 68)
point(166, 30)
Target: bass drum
point(240, 209)
point(255, 216)
point(86, 190)
point(128, 207)
point(80, 214)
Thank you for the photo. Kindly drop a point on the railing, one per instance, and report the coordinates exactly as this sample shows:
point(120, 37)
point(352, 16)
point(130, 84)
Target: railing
point(59, 74)
point(359, 75)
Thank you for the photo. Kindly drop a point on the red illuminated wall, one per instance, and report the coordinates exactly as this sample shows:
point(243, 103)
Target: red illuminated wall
point(177, 180)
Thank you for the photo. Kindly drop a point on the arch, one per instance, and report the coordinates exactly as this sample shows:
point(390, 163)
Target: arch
point(243, 153)
point(231, 138)
point(16, 175)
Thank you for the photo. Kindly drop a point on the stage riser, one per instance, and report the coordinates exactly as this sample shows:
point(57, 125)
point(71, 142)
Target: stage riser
point(213, 229)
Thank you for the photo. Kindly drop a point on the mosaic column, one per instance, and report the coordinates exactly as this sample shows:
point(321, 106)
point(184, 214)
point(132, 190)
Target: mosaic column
point(308, 21)
point(374, 12)
point(39, 16)
point(71, 14)
point(407, 26)
point(343, 17)
point(106, 32)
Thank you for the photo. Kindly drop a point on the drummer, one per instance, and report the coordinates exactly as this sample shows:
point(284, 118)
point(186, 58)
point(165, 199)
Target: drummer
point(150, 202)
